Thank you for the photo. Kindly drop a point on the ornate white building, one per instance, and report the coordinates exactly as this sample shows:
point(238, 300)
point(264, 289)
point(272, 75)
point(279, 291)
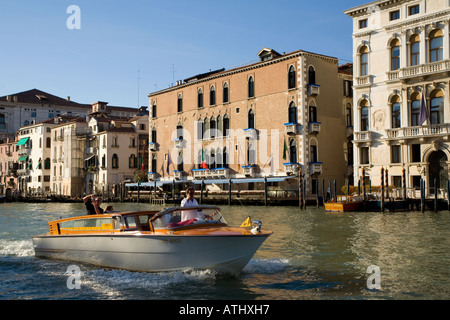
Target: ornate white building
point(401, 54)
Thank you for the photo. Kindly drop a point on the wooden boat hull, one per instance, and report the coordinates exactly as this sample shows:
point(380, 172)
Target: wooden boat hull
point(223, 252)
point(342, 207)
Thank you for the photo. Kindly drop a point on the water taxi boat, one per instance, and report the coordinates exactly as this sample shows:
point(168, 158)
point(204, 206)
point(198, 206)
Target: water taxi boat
point(344, 203)
point(153, 241)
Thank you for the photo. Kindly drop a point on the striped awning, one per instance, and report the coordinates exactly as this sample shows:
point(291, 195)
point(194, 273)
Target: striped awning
point(23, 158)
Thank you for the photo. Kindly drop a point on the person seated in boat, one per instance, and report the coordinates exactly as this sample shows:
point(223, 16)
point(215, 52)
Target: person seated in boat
point(92, 204)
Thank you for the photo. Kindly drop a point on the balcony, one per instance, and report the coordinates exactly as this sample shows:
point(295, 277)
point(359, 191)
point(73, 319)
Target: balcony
point(291, 128)
point(200, 173)
point(23, 152)
point(250, 133)
point(219, 173)
point(362, 137)
point(179, 143)
point(315, 168)
point(152, 176)
point(22, 172)
point(424, 70)
point(178, 174)
point(313, 90)
point(249, 171)
point(419, 132)
point(291, 168)
point(314, 127)
point(364, 81)
point(152, 146)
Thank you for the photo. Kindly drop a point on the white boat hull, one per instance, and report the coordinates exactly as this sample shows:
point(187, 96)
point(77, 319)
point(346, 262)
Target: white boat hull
point(153, 253)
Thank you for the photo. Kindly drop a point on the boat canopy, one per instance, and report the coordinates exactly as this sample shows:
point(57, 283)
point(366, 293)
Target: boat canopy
point(186, 216)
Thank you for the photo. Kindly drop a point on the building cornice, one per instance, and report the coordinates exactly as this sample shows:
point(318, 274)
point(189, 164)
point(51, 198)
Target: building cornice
point(257, 65)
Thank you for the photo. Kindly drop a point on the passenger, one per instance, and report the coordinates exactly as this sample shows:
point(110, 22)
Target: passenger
point(93, 205)
point(189, 201)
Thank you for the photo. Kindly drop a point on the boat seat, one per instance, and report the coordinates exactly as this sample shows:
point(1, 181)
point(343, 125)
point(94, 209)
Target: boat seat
point(175, 219)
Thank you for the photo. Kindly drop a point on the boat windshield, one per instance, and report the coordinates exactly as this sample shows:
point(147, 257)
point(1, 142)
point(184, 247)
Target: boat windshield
point(181, 217)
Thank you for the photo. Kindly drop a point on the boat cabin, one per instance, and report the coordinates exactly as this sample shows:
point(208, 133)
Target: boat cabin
point(166, 219)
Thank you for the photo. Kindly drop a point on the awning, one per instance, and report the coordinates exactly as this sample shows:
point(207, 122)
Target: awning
point(89, 157)
point(23, 158)
point(22, 141)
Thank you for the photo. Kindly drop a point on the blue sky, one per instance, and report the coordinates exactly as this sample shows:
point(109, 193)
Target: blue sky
point(158, 42)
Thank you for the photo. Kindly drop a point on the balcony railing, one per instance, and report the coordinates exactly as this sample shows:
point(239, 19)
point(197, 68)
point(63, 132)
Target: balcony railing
point(250, 133)
point(249, 171)
point(219, 173)
point(178, 174)
point(363, 136)
point(152, 146)
point(90, 150)
point(314, 127)
point(313, 90)
point(436, 130)
point(152, 176)
point(419, 70)
point(291, 168)
point(291, 128)
point(315, 168)
point(200, 173)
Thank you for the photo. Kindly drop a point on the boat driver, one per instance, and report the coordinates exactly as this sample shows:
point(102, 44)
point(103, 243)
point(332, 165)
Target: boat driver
point(189, 201)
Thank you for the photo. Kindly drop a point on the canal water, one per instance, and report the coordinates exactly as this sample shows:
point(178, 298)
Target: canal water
point(312, 255)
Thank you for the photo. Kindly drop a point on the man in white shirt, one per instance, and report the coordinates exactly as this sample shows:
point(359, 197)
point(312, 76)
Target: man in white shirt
point(189, 201)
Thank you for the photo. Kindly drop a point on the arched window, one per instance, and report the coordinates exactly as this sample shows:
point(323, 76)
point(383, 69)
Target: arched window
point(226, 93)
point(154, 168)
point(200, 129)
point(154, 109)
point(226, 125)
point(415, 109)
point(364, 117)
point(180, 166)
point(251, 119)
point(437, 107)
point(132, 162)
point(48, 142)
point(395, 54)
point(348, 115)
point(219, 131)
point(251, 87)
point(47, 164)
point(364, 61)
point(154, 137)
point(292, 151)
point(206, 132)
point(312, 113)
point(180, 103)
point(200, 98)
point(115, 161)
point(180, 131)
point(104, 160)
point(219, 158)
point(311, 75)
point(212, 127)
point(292, 113)
point(292, 78)
point(225, 157)
point(395, 112)
point(212, 96)
point(436, 45)
point(414, 50)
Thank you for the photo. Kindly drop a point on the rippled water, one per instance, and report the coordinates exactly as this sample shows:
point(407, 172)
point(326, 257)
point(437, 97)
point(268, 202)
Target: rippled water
point(311, 255)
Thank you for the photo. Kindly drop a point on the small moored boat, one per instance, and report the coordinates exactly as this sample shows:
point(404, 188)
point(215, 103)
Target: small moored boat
point(153, 241)
point(344, 203)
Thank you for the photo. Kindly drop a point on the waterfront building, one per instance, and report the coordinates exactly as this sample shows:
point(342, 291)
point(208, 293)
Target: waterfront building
point(34, 151)
point(115, 150)
point(401, 92)
point(8, 167)
point(33, 106)
point(275, 119)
